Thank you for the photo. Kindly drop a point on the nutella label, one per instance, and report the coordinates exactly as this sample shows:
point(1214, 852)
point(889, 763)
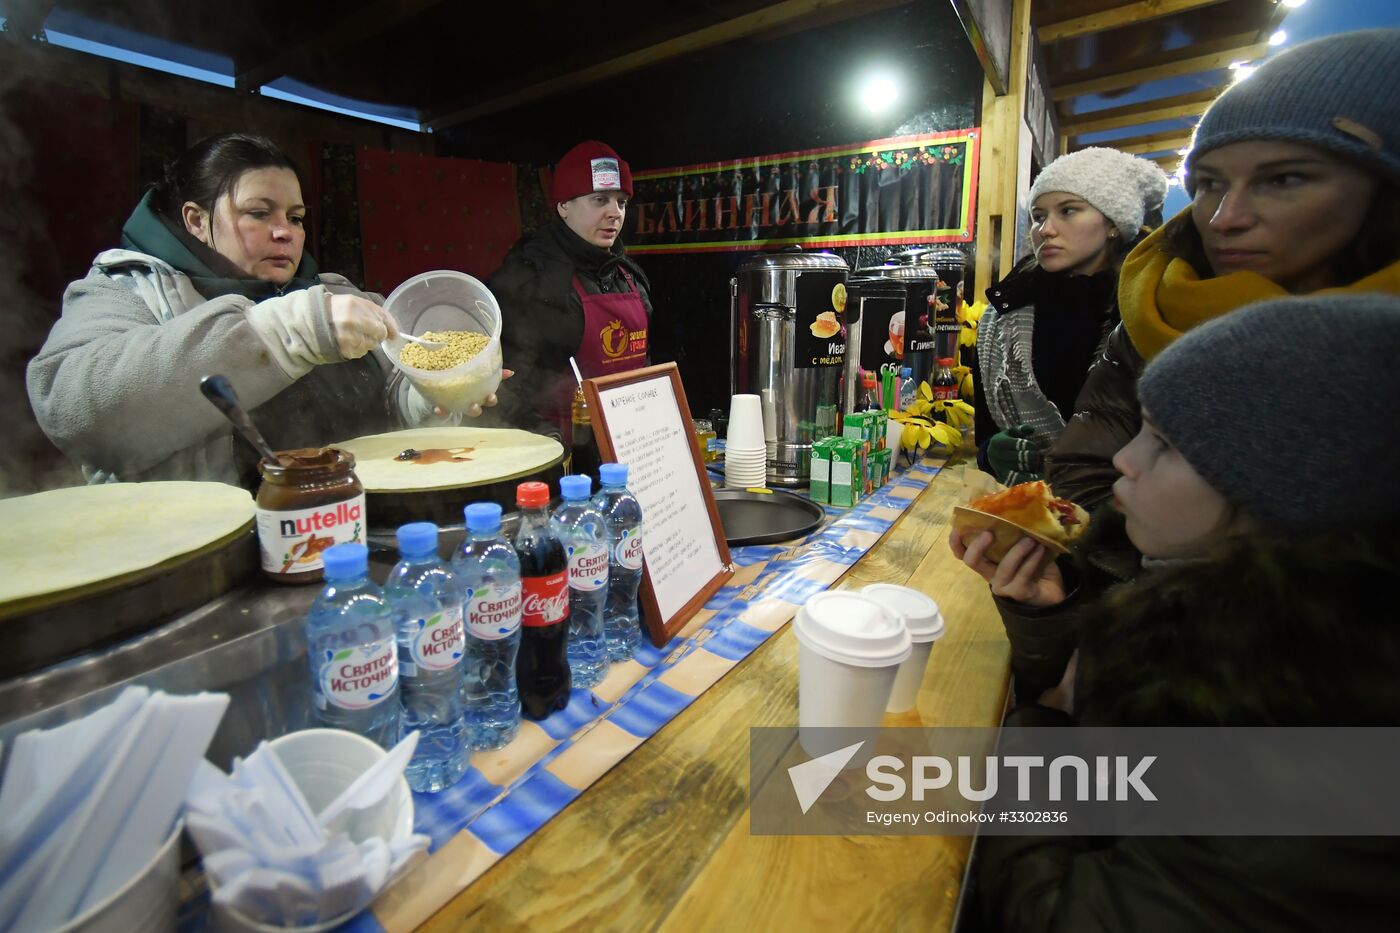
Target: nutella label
point(588, 566)
point(360, 677)
point(544, 600)
point(293, 541)
point(439, 643)
point(628, 550)
point(493, 612)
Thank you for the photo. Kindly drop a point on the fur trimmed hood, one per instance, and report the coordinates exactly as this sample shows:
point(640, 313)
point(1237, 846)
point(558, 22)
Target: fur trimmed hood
point(1299, 632)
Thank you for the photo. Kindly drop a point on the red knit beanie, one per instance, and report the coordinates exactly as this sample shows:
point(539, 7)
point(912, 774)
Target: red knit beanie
point(588, 167)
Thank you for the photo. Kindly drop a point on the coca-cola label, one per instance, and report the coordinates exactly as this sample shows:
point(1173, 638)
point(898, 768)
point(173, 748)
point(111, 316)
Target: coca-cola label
point(360, 677)
point(439, 643)
point(588, 566)
point(493, 612)
point(628, 550)
point(544, 600)
point(293, 541)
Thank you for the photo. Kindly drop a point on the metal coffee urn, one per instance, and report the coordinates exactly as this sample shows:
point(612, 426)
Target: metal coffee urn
point(929, 329)
point(787, 345)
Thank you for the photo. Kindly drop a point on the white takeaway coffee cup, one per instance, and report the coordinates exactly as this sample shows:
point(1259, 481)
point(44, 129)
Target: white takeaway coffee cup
point(925, 625)
point(849, 651)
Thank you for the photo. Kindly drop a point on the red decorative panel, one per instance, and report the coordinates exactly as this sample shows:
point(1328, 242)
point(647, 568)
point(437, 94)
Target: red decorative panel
point(79, 152)
point(419, 213)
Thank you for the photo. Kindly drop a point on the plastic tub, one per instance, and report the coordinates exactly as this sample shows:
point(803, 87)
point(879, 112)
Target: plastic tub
point(147, 902)
point(441, 301)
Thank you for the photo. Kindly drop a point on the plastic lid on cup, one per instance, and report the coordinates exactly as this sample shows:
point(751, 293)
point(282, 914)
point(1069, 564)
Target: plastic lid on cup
point(613, 474)
point(343, 561)
point(531, 495)
point(482, 516)
point(576, 486)
point(417, 538)
point(920, 612)
point(850, 628)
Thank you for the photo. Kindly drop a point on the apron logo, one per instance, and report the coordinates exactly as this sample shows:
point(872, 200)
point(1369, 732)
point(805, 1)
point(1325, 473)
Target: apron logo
point(614, 337)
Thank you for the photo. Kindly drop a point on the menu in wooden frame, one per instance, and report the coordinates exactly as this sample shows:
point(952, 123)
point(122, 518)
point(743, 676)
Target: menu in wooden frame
point(641, 418)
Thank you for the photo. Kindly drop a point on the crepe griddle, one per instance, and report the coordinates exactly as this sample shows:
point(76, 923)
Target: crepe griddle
point(765, 516)
point(52, 628)
point(388, 510)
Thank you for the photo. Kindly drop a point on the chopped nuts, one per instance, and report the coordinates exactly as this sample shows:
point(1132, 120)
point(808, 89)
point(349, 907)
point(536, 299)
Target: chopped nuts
point(462, 345)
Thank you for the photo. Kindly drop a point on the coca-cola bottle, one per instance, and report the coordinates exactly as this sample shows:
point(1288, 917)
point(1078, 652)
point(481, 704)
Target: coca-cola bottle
point(542, 666)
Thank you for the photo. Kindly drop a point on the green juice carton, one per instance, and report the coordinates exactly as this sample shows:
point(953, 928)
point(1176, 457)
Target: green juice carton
point(882, 466)
point(853, 425)
point(821, 470)
point(845, 471)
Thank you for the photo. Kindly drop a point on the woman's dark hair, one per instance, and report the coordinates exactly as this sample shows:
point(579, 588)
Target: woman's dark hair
point(1375, 246)
point(211, 167)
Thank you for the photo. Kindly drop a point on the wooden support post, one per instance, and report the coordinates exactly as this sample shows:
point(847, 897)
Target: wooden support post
point(1003, 117)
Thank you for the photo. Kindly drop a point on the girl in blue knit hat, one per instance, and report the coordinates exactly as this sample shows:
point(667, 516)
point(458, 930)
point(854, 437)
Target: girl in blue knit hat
point(1294, 174)
point(1265, 598)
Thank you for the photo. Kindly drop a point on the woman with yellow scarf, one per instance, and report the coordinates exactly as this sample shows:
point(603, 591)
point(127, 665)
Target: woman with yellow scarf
point(1294, 175)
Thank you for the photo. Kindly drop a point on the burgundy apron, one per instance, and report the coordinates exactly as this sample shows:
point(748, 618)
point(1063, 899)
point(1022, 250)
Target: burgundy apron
point(614, 331)
point(614, 341)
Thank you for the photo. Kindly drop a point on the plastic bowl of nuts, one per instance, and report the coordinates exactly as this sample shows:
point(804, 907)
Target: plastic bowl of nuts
point(455, 309)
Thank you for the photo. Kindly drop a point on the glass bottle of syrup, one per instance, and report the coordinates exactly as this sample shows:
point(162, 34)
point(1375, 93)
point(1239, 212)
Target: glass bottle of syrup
point(583, 456)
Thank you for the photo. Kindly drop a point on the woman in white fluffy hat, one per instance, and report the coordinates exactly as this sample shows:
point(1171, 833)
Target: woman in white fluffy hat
point(1048, 319)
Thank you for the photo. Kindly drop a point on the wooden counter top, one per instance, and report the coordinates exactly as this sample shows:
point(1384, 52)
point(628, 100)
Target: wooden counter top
point(662, 840)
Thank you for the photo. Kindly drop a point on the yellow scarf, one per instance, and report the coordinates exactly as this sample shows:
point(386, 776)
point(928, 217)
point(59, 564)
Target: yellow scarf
point(1161, 297)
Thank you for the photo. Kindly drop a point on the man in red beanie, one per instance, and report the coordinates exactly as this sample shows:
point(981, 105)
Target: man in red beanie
point(571, 290)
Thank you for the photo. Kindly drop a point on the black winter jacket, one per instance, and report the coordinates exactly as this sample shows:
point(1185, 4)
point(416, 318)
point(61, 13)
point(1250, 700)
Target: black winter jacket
point(1072, 313)
point(1079, 465)
point(1267, 633)
point(542, 315)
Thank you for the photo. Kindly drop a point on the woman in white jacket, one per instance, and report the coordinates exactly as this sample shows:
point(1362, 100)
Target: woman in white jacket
point(213, 277)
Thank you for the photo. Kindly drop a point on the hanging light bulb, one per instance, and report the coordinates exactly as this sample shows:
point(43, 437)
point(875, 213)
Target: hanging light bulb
point(879, 92)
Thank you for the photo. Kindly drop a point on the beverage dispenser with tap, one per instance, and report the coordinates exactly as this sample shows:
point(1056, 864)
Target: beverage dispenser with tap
point(787, 343)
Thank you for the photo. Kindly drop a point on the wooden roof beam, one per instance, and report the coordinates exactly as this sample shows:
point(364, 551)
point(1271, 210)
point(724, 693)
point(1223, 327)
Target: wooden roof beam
point(1128, 14)
point(1150, 59)
point(1149, 142)
point(1184, 66)
point(535, 87)
point(1148, 111)
point(369, 21)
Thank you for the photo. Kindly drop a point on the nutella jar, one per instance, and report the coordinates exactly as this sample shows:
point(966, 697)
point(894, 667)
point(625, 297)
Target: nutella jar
point(309, 500)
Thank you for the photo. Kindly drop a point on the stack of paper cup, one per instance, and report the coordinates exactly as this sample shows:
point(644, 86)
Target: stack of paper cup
point(850, 649)
point(925, 625)
point(745, 452)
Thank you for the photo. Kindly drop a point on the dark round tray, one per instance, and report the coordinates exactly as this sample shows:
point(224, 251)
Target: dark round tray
point(769, 517)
